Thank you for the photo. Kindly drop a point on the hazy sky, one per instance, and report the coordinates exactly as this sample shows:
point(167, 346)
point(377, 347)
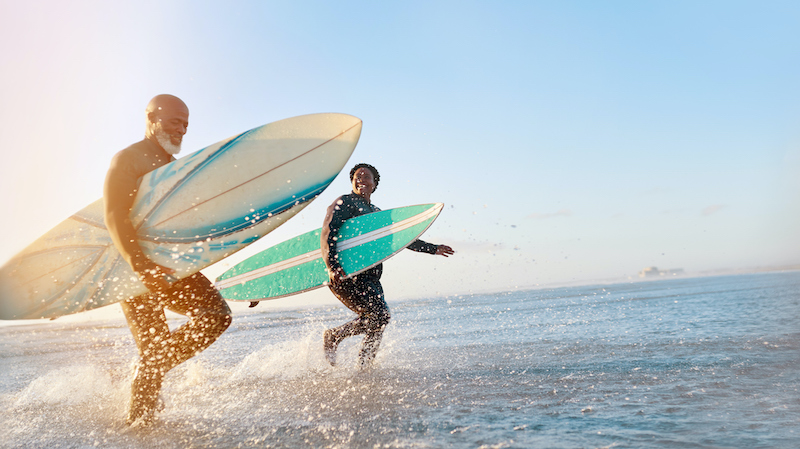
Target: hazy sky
point(570, 140)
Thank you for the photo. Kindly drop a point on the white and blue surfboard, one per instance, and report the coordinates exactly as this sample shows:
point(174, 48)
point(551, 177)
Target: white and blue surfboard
point(188, 214)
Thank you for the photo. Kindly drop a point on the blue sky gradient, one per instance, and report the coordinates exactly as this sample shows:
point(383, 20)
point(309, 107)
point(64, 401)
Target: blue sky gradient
point(570, 141)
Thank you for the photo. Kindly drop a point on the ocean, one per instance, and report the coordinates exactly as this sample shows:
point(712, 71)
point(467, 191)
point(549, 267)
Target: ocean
point(708, 362)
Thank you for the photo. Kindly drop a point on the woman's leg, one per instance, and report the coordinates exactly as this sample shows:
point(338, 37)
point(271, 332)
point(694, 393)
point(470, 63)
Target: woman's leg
point(363, 295)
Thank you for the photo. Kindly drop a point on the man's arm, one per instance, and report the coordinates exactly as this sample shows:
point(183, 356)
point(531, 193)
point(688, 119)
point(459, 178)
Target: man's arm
point(119, 192)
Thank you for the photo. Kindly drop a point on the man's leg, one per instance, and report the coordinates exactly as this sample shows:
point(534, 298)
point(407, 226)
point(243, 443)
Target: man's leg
point(209, 316)
point(150, 332)
point(161, 350)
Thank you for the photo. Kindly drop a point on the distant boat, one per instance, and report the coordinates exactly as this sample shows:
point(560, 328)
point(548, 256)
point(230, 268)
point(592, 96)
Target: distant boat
point(654, 271)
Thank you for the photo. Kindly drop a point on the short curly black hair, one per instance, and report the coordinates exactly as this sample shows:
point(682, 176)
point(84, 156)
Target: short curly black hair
point(375, 174)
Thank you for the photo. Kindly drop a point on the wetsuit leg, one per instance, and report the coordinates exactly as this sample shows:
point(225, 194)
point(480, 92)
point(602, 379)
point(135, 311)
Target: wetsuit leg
point(209, 316)
point(364, 296)
point(161, 350)
point(148, 325)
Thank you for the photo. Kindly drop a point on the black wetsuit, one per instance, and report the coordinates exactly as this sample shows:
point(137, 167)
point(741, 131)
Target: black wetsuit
point(195, 296)
point(363, 293)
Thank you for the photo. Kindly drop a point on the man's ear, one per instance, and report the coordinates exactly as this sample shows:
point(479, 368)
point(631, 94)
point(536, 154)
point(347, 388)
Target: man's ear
point(152, 117)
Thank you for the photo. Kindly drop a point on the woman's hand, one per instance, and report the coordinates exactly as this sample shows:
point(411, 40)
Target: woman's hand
point(444, 250)
point(337, 275)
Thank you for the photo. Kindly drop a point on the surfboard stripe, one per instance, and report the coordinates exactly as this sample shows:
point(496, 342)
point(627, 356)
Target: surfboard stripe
point(239, 223)
point(269, 269)
point(317, 253)
point(225, 148)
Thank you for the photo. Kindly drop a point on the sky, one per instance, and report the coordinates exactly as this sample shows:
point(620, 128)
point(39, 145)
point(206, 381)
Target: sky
point(571, 141)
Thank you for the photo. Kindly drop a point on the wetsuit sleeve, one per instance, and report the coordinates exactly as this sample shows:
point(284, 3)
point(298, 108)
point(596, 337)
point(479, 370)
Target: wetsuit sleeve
point(423, 247)
point(119, 192)
point(337, 213)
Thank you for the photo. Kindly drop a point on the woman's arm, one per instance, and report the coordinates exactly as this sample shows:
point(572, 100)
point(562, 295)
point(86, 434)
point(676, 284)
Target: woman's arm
point(425, 247)
point(335, 216)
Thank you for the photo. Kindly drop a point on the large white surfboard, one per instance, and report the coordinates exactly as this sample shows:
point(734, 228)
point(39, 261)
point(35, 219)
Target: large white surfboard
point(188, 214)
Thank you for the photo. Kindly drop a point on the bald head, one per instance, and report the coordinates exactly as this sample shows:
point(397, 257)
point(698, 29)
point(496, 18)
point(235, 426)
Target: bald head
point(167, 121)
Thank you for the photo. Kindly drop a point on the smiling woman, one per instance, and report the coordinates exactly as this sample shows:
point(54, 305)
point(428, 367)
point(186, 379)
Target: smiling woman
point(362, 293)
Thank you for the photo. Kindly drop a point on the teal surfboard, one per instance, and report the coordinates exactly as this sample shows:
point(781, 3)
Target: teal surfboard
point(296, 266)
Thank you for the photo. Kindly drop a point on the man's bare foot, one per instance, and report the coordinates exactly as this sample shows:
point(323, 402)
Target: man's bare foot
point(144, 396)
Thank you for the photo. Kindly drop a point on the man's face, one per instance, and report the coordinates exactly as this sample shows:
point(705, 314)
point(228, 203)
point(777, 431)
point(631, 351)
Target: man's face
point(171, 123)
point(363, 182)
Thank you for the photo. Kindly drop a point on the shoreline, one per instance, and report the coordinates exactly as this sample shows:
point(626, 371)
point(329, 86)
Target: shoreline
point(114, 314)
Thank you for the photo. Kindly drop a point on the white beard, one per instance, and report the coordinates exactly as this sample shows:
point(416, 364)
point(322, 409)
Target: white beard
point(164, 140)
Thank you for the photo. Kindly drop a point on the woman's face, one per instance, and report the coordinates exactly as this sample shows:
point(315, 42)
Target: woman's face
point(363, 182)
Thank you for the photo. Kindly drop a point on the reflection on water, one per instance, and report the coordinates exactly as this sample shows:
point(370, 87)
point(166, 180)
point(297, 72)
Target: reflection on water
point(707, 362)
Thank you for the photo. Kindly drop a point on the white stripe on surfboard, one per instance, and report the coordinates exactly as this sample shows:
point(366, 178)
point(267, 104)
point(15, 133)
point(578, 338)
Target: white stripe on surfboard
point(317, 253)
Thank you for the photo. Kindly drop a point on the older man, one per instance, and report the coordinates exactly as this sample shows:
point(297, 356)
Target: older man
point(195, 296)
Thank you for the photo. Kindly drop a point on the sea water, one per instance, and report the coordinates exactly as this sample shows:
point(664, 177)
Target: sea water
point(707, 362)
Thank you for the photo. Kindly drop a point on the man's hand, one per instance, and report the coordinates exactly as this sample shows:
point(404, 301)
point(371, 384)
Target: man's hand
point(154, 276)
point(444, 250)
